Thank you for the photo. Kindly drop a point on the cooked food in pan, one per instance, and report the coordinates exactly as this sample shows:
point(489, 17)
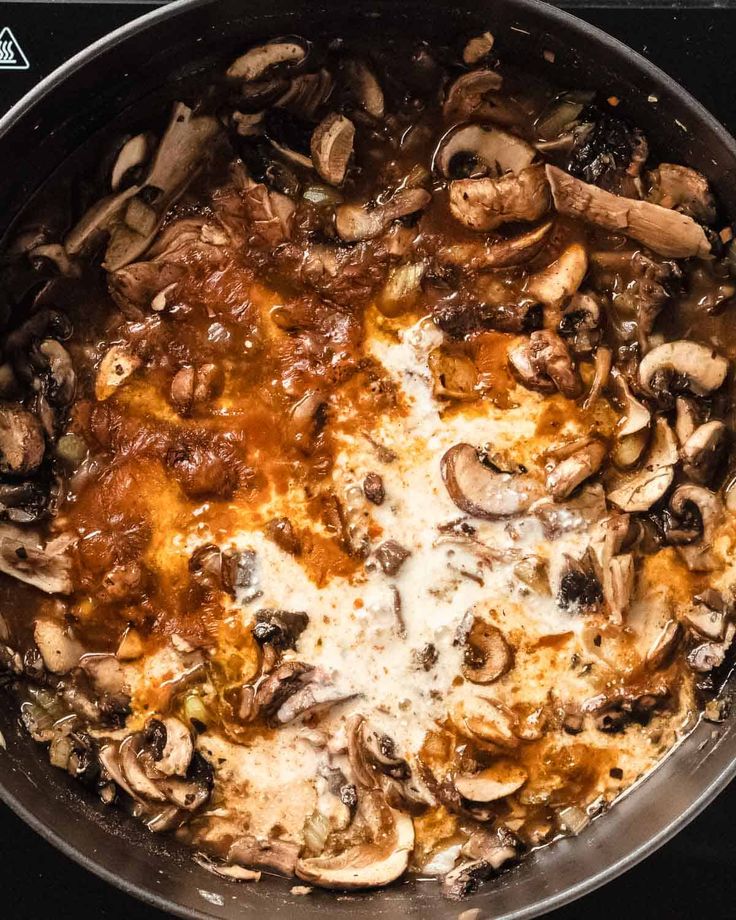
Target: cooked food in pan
point(365, 465)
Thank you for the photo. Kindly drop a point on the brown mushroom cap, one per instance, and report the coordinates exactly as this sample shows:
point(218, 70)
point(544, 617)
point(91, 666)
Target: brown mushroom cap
point(483, 492)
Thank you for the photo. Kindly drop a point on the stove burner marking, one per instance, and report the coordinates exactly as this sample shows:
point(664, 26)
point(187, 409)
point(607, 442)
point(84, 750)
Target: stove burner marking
point(12, 56)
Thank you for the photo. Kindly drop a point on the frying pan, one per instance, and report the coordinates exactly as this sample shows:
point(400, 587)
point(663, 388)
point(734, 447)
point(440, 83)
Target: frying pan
point(112, 82)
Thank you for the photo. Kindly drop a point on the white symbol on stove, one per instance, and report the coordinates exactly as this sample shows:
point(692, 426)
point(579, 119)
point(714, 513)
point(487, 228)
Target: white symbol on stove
point(11, 53)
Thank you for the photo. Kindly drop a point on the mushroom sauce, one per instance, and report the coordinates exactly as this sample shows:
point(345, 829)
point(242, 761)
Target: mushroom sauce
point(364, 456)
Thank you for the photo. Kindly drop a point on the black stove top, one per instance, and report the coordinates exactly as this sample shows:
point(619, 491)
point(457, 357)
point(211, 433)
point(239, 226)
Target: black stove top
point(692, 876)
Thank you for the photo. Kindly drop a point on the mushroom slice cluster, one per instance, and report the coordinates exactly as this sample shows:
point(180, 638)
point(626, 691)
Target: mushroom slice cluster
point(666, 232)
point(160, 771)
point(488, 852)
point(510, 187)
point(379, 861)
point(639, 490)
point(132, 217)
point(483, 491)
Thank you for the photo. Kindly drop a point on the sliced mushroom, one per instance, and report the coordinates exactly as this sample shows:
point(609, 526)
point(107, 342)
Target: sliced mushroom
point(487, 655)
point(116, 366)
point(571, 471)
point(280, 629)
point(707, 623)
point(636, 416)
point(602, 365)
point(131, 221)
point(487, 720)
point(683, 189)
point(497, 848)
point(682, 365)
point(365, 87)
point(306, 93)
point(487, 203)
point(700, 556)
point(557, 283)
point(279, 856)
point(332, 147)
point(134, 152)
point(367, 865)
point(543, 363)
point(466, 95)
point(257, 62)
point(476, 255)
point(703, 451)
point(580, 323)
point(491, 784)
point(57, 254)
point(47, 568)
point(687, 417)
point(61, 380)
point(640, 490)
point(355, 222)
point(60, 650)
point(495, 150)
point(175, 748)
point(711, 655)
point(477, 48)
point(138, 780)
point(664, 645)
point(482, 491)
point(22, 441)
point(667, 232)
